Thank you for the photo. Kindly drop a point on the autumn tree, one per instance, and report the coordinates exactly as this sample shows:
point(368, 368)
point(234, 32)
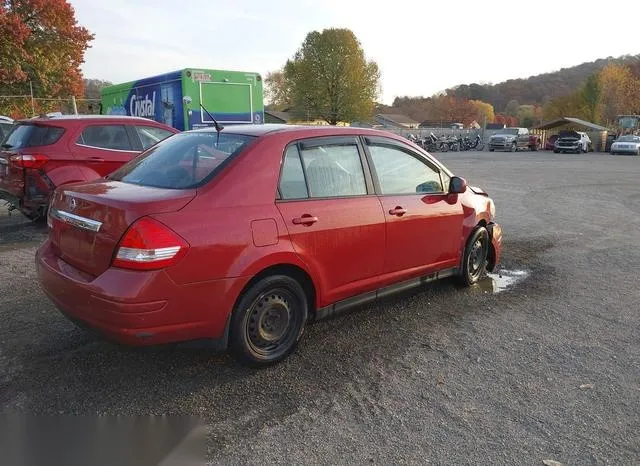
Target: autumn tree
point(619, 92)
point(483, 111)
point(329, 77)
point(40, 43)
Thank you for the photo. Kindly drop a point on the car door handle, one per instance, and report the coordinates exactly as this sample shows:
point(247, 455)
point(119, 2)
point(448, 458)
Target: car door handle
point(306, 219)
point(96, 159)
point(399, 211)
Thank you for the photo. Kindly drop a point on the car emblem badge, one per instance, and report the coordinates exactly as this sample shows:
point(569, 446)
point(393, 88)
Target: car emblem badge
point(73, 204)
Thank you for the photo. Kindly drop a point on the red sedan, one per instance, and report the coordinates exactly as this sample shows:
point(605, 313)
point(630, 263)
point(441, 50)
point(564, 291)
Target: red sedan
point(242, 236)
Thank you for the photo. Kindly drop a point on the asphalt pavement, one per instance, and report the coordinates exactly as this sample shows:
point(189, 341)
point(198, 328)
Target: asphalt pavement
point(546, 369)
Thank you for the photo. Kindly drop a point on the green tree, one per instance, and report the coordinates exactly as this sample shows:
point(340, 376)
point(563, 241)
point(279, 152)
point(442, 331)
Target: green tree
point(277, 90)
point(512, 108)
point(590, 94)
point(330, 78)
point(40, 44)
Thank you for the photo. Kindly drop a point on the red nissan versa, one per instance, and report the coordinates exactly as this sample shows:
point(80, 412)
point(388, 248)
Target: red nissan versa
point(240, 237)
point(43, 153)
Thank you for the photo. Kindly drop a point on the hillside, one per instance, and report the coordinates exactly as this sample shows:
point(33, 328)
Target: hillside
point(540, 89)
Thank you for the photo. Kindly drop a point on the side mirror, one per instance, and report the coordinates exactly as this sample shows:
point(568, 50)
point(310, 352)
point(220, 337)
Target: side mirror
point(457, 185)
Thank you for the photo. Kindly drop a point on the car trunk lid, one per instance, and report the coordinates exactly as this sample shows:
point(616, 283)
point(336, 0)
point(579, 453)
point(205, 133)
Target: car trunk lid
point(88, 220)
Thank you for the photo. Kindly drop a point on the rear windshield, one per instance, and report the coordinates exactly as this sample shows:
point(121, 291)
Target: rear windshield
point(629, 139)
point(32, 136)
point(183, 161)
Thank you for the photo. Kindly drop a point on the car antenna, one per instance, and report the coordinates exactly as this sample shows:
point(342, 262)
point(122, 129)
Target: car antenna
point(217, 125)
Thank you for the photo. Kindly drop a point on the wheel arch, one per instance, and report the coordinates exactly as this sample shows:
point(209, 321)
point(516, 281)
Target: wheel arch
point(289, 269)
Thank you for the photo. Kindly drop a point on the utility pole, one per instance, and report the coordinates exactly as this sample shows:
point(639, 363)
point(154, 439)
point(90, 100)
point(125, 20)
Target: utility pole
point(33, 105)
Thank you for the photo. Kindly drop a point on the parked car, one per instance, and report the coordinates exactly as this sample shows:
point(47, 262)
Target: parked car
point(43, 153)
point(512, 139)
point(192, 241)
point(572, 141)
point(627, 144)
point(6, 125)
point(550, 143)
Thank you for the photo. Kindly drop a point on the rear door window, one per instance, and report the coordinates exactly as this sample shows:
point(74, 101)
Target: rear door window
point(333, 169)
point(150, 135)
point(32, 136)
point(184, 161)
point(113, 137)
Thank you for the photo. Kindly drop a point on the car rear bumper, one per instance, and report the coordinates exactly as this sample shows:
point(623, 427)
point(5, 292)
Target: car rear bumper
point(139, 308)
point(495, 232)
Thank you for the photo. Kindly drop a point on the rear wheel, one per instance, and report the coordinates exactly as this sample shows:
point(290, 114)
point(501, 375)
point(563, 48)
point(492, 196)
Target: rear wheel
point(268, 321)
point(474, 261)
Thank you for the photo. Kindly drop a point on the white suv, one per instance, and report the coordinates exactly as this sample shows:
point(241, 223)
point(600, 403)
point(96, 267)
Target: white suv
point(572, 141)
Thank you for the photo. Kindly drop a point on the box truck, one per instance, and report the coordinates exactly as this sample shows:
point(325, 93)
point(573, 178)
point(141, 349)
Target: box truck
point(231, 97)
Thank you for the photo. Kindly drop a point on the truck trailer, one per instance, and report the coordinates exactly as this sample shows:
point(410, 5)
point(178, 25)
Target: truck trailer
point(231, 97)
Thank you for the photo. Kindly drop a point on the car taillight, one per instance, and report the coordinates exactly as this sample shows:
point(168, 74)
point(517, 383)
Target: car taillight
point(149, 245)
point(33, 161)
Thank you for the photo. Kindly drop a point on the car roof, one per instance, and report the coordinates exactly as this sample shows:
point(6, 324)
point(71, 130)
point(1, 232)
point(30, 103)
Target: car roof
point(86, 118)
point(311, 130)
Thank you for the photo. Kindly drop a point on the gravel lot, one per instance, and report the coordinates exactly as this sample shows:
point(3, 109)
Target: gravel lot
point(548, 369)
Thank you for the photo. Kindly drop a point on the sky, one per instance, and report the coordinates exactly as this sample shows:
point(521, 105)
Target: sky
point(421, 47)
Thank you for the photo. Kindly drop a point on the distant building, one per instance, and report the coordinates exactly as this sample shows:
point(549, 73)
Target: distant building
point(388, 120)
point(289, 118)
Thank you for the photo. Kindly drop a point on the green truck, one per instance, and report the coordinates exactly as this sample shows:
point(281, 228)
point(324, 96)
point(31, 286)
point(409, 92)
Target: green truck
point(231, 97)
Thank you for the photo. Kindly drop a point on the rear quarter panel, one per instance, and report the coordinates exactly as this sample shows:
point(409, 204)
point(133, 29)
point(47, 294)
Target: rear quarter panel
point(218, 222)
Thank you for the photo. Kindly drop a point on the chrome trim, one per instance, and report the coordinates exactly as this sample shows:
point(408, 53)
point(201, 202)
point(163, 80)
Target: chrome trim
point(76, 220)
point(106, 148)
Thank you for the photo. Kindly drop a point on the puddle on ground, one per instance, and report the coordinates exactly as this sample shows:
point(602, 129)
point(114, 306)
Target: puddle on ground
point(501, 281)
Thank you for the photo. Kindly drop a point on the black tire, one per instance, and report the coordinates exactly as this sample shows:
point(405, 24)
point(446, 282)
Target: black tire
point(474, 260)
point(444, 147)
point(491, 149)
point(480, 146)
point(268, 321)
point(555, 151)
point(514, 147)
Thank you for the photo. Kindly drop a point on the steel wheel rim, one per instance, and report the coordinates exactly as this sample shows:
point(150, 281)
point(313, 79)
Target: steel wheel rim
point(271, 322)
point(477, 257)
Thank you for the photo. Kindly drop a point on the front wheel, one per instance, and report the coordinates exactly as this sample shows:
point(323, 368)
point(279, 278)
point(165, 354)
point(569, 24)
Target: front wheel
point(514, 147)
point(480, 146)
point(444, 147)
point(268, 321)
point(474, 261)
